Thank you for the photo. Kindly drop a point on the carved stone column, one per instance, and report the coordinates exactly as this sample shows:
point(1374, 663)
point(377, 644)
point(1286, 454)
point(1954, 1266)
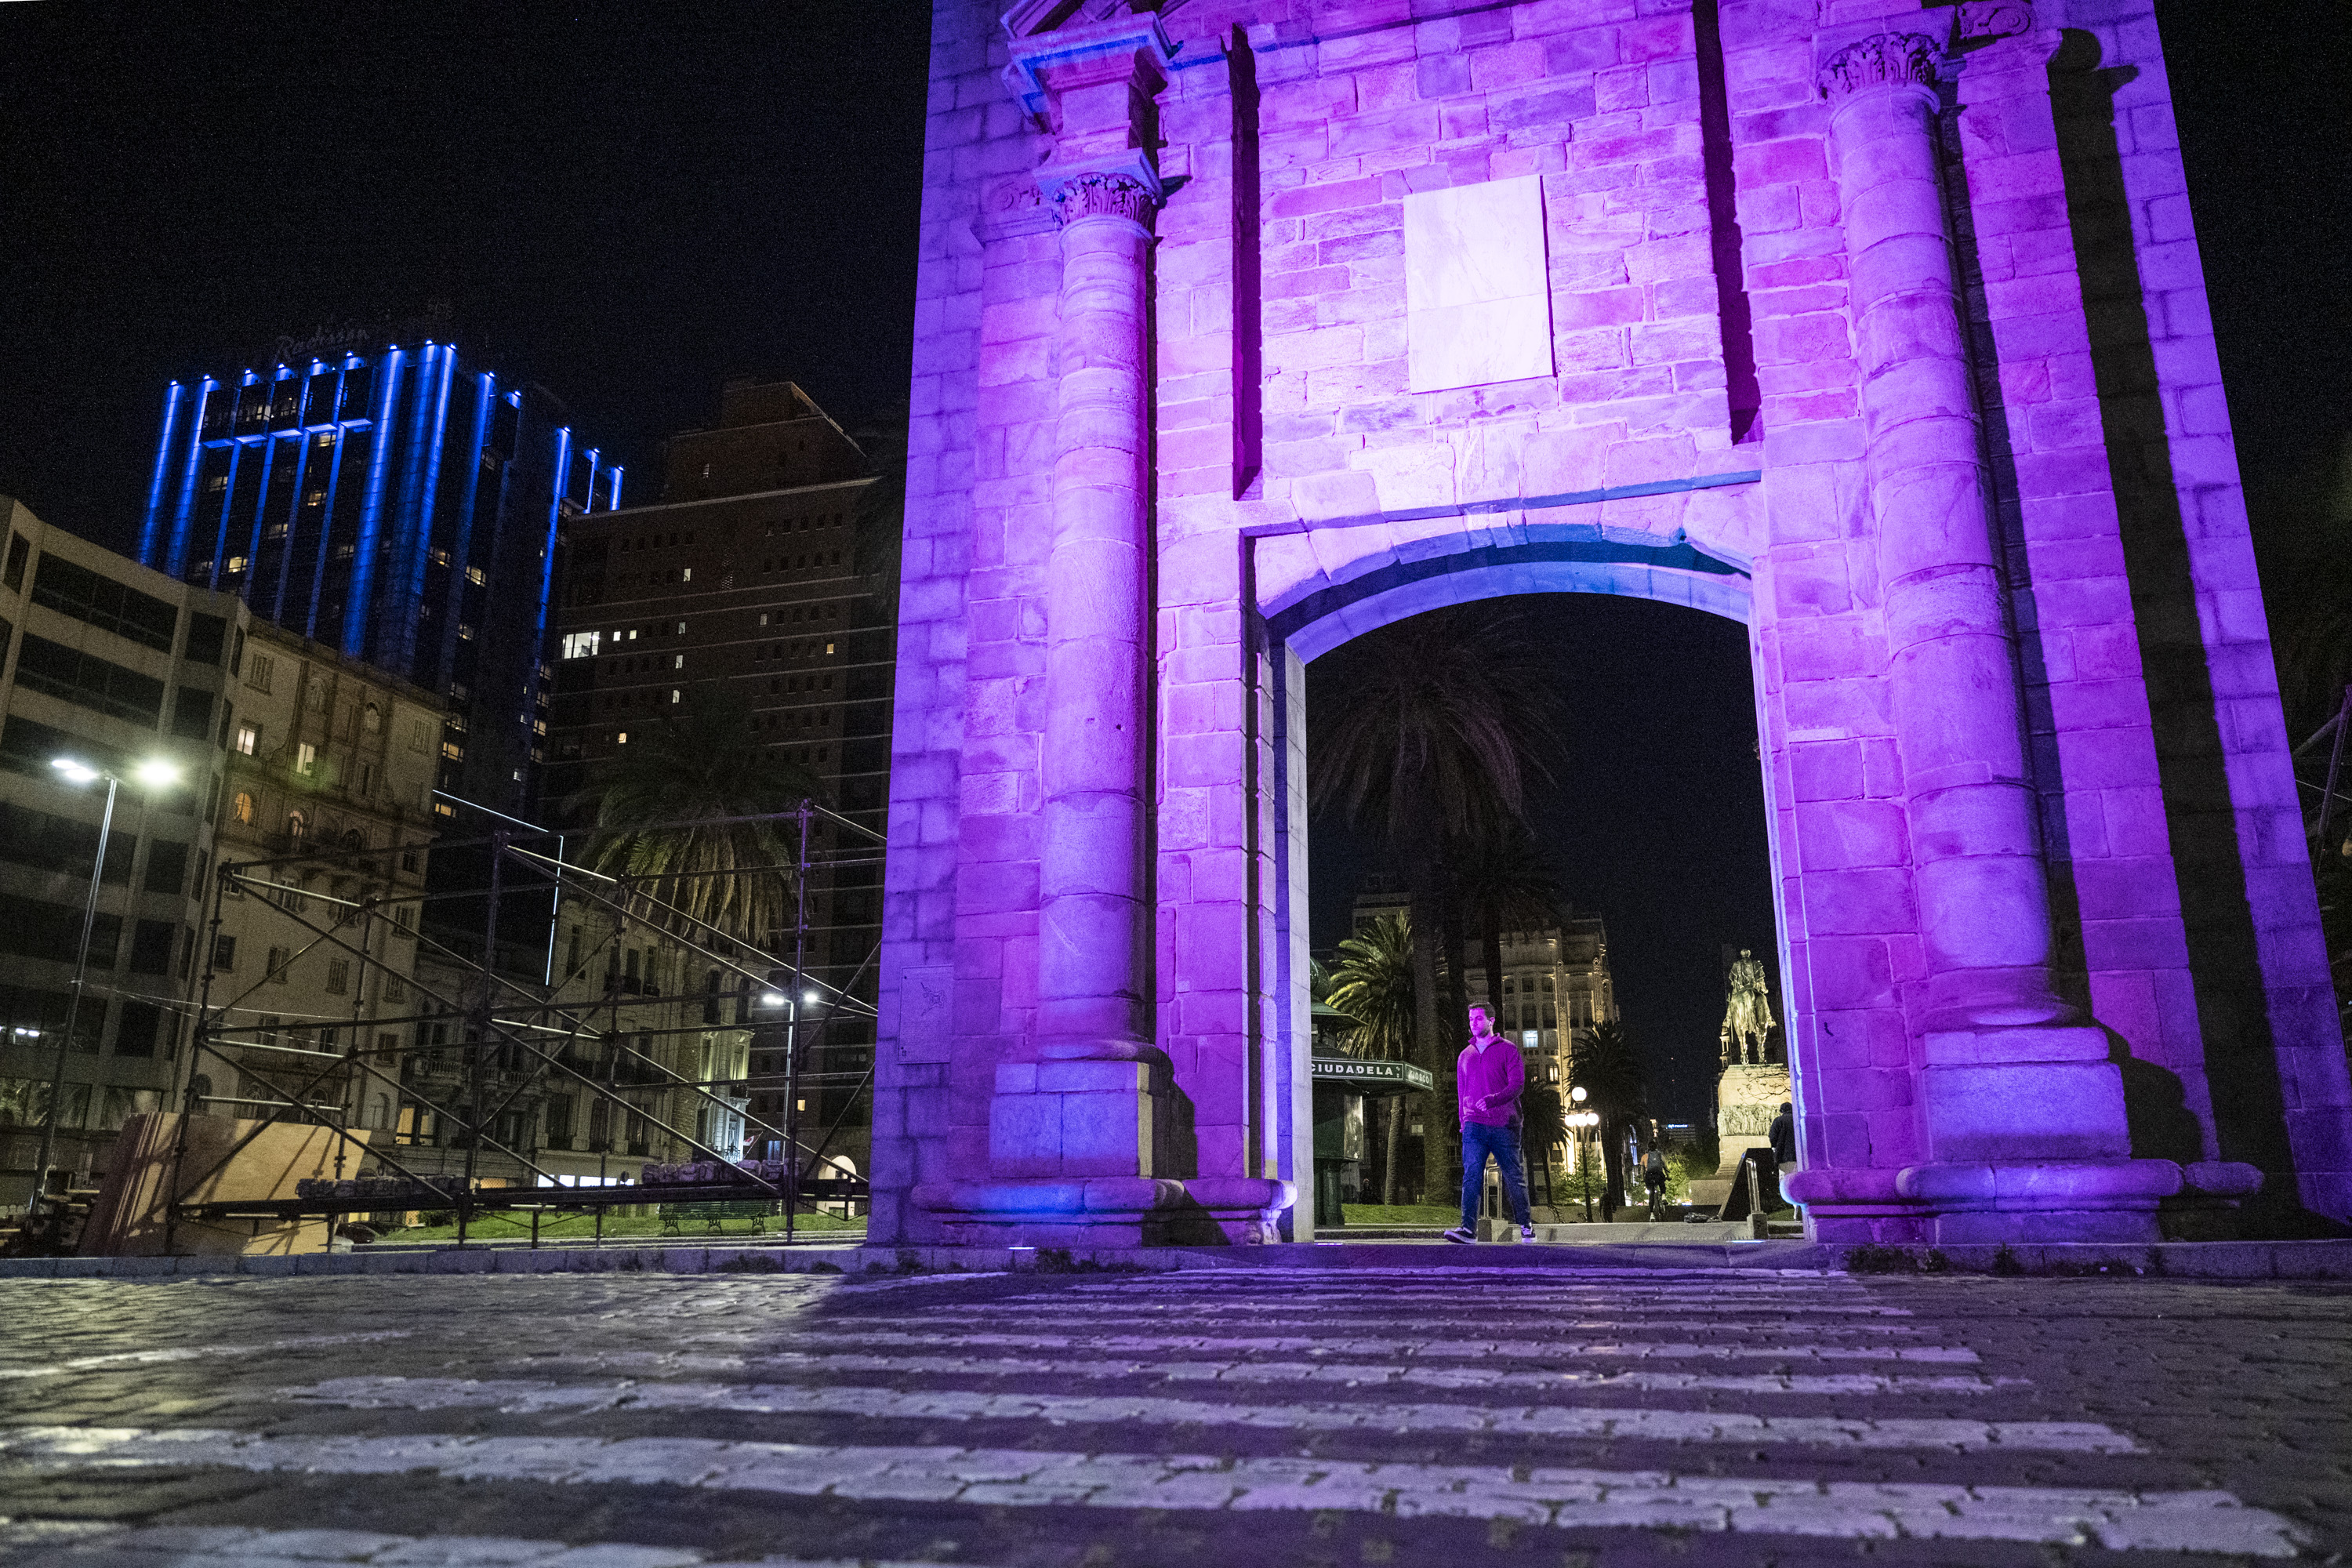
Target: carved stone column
point(1093, 1102)
point(1094, 958)
point(1084, 1141)
point(2022, 1112)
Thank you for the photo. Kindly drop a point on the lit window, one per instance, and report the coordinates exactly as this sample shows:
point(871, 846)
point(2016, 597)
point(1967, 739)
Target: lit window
point(675, 694)
point(295, 825)
point(687, 574)
point(465, 632)
point(306, 759)
point(248, 738)
point(622, 740)
point(679, 663)
point(476, 575)
point(242, 808)
point(828, 647)
point(582, 644)
point(234, 566)
point(440, 558)
point(454, 752)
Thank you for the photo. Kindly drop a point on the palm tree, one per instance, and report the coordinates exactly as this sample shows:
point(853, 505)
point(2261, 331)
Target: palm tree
point(1444, 721)
point(1505, 884)
point(704, 760)
point(1372, 986)
point(1603, 1063)
point(1543, 1127)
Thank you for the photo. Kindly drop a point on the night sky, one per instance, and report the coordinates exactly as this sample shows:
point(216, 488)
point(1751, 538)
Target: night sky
point(632, 202)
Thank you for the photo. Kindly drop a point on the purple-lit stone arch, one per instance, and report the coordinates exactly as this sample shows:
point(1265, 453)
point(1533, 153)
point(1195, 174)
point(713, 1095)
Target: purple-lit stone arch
point(1247, 328)
point(1361, 590)
point(1311, 623)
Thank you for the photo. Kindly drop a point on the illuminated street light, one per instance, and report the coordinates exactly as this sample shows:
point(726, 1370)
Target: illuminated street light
point(154, 773)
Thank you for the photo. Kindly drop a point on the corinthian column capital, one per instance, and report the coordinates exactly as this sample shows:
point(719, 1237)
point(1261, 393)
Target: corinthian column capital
point(1884, 59)
point(1125, 186)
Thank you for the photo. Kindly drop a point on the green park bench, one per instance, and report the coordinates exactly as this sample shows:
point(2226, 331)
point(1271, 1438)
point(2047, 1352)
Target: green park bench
point(759, 1212)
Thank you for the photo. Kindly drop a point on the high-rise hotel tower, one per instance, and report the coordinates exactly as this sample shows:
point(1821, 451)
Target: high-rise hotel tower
point(391, 502)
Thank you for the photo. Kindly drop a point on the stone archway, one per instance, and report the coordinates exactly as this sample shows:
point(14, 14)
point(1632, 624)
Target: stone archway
point(1305, 619)
point(1236, 340)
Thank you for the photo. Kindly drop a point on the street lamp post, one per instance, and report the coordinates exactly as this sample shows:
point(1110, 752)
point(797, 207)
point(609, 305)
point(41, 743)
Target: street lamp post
point(1583, 1121)
point(793, 1001)
point(154, 774)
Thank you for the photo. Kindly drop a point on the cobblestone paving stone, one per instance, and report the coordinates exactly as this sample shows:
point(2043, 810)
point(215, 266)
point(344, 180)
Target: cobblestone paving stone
point(1448, 1416)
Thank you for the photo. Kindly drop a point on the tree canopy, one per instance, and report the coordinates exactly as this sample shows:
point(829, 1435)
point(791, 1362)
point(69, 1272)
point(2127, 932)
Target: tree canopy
point(702, 762)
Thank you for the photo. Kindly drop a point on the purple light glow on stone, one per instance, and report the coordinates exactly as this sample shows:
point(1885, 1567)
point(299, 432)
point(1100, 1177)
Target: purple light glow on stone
point(1771, 399)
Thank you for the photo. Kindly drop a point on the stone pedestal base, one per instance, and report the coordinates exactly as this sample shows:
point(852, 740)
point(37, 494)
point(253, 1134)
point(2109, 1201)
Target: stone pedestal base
point(1083, 1108)
point(1709, 1192)
point(1748, 1095)
point(1109, 1211)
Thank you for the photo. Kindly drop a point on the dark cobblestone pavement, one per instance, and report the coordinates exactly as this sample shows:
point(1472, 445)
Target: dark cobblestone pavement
point(1447, 1417)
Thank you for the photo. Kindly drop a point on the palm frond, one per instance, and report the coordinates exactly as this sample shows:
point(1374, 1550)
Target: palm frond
point(704, 762)
point(1371, 985)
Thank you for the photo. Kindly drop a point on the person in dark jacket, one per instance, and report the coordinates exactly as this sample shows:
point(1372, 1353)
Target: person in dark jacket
point(1783, 1136)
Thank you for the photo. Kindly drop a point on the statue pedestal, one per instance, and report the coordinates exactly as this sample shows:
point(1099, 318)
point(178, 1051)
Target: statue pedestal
point(1745, 1100)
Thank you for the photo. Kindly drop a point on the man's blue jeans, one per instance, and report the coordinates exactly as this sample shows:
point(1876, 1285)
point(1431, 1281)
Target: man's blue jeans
point(1478, 1140)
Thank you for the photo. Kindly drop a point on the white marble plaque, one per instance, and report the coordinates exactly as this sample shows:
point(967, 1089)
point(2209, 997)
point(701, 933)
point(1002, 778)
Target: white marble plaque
point(1477, 303)
point(925, 1008)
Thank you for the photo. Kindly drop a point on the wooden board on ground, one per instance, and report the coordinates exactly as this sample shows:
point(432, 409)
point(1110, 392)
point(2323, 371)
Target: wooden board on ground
point(128, 1218)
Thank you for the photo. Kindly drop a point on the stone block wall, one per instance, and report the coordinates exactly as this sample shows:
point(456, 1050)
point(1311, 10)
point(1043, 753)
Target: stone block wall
point(1728, 425)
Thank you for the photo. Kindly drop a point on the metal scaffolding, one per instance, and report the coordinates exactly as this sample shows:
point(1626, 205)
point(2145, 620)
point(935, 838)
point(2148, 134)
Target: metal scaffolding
point(517, 1036)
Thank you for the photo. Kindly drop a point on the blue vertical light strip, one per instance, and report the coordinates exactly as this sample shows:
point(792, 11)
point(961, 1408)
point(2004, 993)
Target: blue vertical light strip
point(392, 635)
point(359, 605)
point(398, 651)
point(268, 447)
point(486, 402)
point(301, 439)
point(613, 504)
point(191, 475)
point(547, 555)
point(222, 519)
point(334, 490)
point(174, 396)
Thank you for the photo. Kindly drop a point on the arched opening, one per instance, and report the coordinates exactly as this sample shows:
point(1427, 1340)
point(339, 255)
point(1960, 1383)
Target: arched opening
point(1661, 842)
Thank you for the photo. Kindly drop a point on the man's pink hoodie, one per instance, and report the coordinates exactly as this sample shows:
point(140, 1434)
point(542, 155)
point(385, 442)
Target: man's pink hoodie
point(1489, 1082)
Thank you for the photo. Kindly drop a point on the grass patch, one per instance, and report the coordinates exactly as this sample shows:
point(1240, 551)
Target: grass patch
point(617, 1227)
point(1402, 1214)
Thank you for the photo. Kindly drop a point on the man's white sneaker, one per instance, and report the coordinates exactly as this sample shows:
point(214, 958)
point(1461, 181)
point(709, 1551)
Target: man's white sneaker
point(1526, 1233)
point(1458, 1234)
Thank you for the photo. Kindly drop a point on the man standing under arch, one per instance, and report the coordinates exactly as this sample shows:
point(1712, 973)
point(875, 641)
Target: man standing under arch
point(1489, 1076)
